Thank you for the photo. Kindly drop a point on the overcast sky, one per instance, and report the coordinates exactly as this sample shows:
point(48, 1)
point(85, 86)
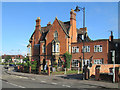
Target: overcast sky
point(18, 20)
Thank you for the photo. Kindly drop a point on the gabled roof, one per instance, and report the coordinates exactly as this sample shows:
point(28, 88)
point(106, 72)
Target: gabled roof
point(43, 31)
point(46, 28)
point(80, 32)
point(65, 26)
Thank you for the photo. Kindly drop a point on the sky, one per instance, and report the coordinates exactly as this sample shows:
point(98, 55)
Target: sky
point(18, 20)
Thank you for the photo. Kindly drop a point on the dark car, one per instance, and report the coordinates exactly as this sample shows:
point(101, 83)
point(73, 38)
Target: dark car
point(11, 65)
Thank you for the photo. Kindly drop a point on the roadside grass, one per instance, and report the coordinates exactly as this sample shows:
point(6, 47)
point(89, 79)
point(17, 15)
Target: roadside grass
point(67, 72)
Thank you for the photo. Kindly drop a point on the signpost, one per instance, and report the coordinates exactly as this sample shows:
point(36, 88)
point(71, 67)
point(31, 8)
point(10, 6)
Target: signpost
point(113, 59)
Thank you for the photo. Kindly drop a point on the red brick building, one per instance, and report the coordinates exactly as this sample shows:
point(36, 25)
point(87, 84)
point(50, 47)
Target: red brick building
point(52, 41)
point(96, 51)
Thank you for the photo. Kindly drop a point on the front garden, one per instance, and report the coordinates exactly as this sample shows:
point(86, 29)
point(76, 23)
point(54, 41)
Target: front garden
point(31, 66)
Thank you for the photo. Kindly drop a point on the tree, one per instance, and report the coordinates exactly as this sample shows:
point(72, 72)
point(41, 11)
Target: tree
point(0, 58)
point(68, 58)
point(26, 59)
point(7, 58)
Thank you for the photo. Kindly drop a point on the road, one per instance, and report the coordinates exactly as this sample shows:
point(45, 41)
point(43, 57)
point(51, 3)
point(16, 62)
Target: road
point(40, 81)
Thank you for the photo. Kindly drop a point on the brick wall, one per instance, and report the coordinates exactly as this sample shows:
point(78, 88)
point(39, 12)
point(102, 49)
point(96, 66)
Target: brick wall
point(96, 55)
point(104, 68)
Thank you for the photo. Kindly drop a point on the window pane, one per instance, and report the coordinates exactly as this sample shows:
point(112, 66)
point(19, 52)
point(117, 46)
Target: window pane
point(57, 48)
point(55, 34)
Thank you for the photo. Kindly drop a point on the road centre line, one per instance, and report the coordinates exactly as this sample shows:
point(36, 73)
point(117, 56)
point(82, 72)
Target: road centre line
point(43, 81)
point(66, 85)
point(54, 83)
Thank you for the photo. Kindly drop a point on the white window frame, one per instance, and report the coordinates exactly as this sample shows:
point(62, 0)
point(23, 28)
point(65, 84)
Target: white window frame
point(98, 61)
point(57, 47)
point(55, 34)
point(53, 48)
point(97, 48)
point(86, 62)
point(43, 48)
point(86, 49)
point(75, 49)
point(76, 64)
point(69, 48)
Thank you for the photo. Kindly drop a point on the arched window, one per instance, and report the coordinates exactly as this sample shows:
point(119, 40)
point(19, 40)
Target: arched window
point(43, 48)
point(55, 34)
point(57, 48)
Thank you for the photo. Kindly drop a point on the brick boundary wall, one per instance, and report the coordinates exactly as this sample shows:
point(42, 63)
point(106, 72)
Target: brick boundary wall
point(104, 68)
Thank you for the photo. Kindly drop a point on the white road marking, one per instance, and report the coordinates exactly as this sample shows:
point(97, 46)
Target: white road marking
point(15, 85)
point(54, 83)
point(66, 85)
point(22, 77)
point(43, 81)
point(33, 79)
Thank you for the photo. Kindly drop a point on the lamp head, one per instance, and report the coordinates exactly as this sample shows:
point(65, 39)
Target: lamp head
point(77, 9)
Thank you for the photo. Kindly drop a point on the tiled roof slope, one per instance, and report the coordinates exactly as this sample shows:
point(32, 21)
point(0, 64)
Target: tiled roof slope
point(65, 26)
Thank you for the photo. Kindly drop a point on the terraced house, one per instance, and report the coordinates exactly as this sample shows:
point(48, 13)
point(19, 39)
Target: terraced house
point(49, 43)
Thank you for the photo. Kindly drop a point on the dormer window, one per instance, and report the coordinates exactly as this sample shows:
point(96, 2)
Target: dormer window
point(55, 34)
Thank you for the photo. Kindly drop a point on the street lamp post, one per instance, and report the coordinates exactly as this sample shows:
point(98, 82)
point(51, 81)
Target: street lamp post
point(77, 10)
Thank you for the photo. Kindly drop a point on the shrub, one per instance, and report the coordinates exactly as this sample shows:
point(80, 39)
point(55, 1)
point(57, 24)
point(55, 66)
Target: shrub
point(68, 58)
point(34, 66)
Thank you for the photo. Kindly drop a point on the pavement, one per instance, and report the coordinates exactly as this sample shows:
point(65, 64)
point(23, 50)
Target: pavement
point(68, 79)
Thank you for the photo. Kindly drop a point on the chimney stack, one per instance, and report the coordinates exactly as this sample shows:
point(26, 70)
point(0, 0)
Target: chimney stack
point(111, 36)
point(38, 26)
point(73, 30)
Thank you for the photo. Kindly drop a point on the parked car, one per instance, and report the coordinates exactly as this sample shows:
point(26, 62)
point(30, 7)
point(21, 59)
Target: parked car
point(11, 65)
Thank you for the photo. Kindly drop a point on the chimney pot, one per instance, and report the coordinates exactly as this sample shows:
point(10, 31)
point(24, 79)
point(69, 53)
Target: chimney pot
point(38, 17)
point(49, 23)
point(111, 36)
point(38, 23)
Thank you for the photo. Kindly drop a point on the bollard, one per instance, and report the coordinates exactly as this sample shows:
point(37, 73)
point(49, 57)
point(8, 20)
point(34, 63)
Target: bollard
point(86, 74)
point(97, 72)
point(78, 70)
point(116, 74)
point(48, 68)
point(18, 68)
point(40, 69)
point(30, 69)
point(65, 71)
